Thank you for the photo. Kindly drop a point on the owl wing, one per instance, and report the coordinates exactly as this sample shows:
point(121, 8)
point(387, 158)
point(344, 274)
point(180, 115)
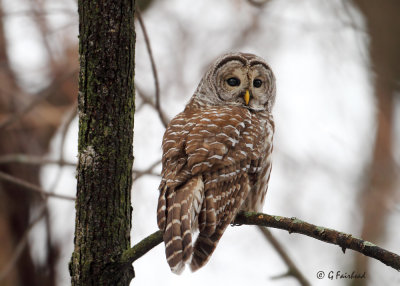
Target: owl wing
point(181, 193)
point(210, 162)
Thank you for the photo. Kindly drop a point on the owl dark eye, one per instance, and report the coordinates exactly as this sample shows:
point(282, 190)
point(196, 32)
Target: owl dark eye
point(257, 83)
point(233, 81)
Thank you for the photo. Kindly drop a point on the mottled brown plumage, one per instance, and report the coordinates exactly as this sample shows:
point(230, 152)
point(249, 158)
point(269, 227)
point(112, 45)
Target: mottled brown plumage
point(216, 157)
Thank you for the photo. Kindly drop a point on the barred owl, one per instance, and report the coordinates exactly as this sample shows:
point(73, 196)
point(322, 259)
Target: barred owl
point(216, 158)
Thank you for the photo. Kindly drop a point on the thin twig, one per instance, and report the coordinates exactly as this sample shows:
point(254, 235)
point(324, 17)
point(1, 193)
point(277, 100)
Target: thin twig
point(145, 97)
point(37, 15)
point(138, 174)
point(139, 106)
point(149, 171)
point(291, 225)
point(147, 100)
point(32, 160)
point(153, 67)
point(293, 270)
point(31, 187)
point(48, 12)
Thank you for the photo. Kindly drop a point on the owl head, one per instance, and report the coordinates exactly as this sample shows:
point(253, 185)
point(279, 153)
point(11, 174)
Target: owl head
point(238, 79)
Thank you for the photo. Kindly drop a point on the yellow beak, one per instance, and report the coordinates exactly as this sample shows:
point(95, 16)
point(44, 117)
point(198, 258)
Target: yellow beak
point(247, 97)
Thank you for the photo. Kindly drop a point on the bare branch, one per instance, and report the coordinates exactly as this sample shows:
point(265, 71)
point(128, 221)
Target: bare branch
point(149, 171)
point(293, 270)
point(322, 233)
point(37, 8)
point(145, 97)
point(291, 225)
point(138, 174)
point(33, 160)
point(147, 100)
point(140, 249)
point(48, 12)
point(31, 187)
point(153, 68)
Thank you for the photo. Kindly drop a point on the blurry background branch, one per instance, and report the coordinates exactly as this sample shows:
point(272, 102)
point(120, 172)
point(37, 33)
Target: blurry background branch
point(146, 99)
point(19, 248)
point(33, 160)
point(149, 171)
point(293, 270)
point(381, 183)
point(157, 105)
point(38, 98)
point(28, 186)
point(258, 3)
point(29, 118)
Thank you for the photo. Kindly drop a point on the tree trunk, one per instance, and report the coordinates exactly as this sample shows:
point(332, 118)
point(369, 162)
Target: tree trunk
point(383, 25)
point(106, 109)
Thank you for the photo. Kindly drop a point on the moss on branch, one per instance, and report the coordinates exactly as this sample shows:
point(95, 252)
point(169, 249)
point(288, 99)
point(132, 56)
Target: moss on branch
point(292, 225)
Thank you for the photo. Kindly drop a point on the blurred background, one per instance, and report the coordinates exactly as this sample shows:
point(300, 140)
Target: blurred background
point(336, 147)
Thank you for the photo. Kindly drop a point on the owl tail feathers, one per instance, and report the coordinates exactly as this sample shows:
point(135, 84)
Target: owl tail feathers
point(161, 209)
point(177, 211)
point(203, 249)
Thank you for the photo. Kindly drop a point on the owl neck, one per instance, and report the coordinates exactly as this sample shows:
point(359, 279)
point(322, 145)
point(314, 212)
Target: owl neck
point(199, 101)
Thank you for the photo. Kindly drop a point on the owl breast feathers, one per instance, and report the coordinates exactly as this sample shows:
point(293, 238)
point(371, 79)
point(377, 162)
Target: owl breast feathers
point(216, 158)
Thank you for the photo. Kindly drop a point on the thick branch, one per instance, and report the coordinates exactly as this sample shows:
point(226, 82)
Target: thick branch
point(291, 225)
point(140, 249)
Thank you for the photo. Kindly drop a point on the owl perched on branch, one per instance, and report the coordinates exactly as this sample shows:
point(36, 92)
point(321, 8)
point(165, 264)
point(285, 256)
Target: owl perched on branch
point(216, 158)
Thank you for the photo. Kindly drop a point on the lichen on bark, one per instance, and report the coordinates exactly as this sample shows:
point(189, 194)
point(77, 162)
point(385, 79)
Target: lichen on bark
point(106, 117)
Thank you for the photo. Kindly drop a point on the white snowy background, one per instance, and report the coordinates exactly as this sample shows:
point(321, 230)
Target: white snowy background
point(325, 128)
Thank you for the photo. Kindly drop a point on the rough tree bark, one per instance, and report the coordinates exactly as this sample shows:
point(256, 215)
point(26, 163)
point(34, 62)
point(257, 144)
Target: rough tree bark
point(106, 109)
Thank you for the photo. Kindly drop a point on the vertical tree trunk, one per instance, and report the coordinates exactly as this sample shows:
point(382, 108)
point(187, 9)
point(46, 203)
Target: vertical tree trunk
point(383, 25)
point(106, 109)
